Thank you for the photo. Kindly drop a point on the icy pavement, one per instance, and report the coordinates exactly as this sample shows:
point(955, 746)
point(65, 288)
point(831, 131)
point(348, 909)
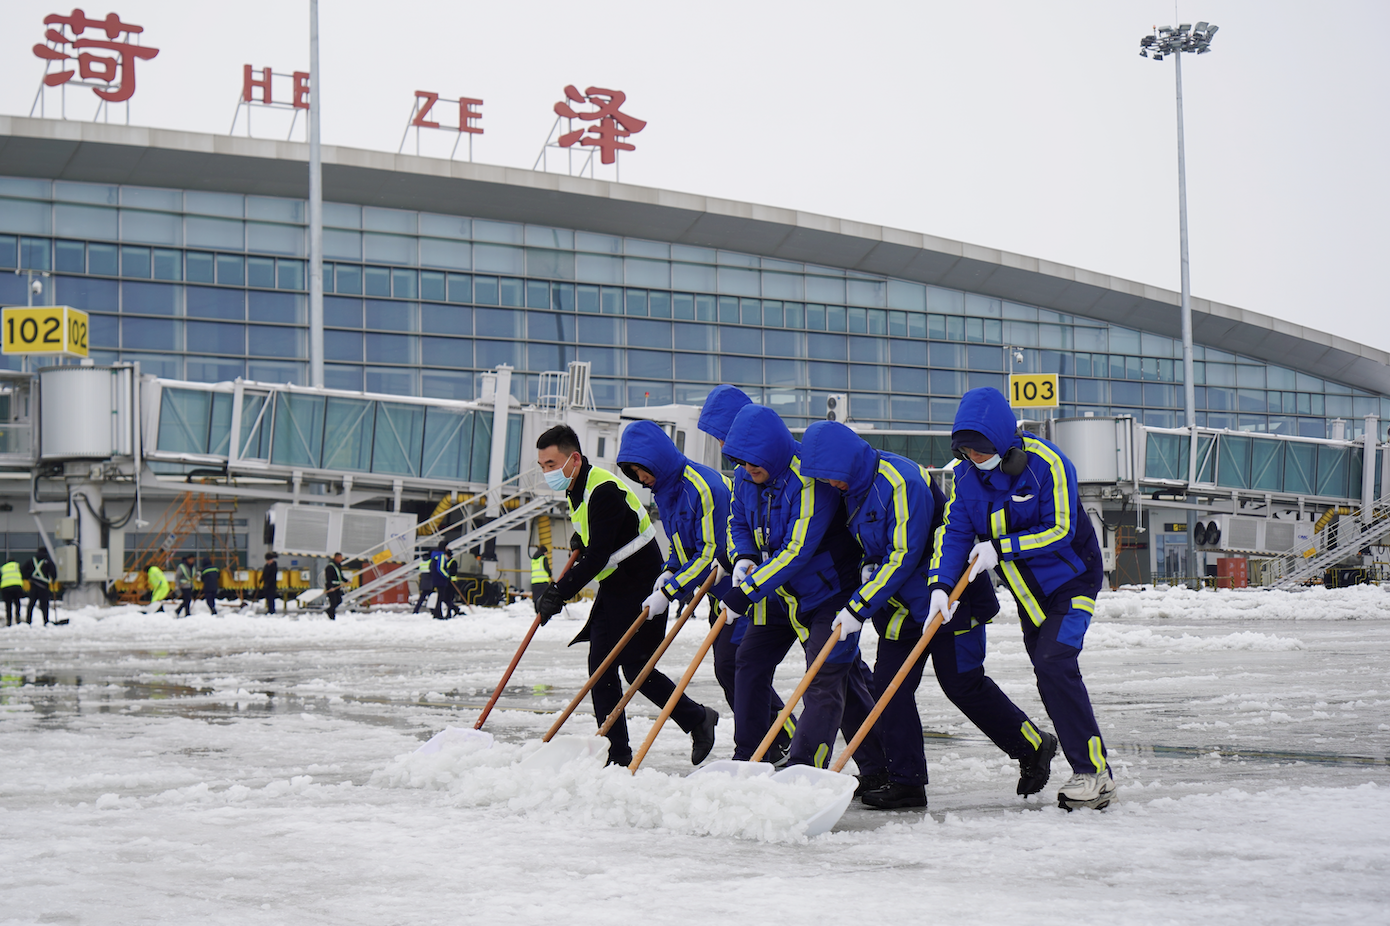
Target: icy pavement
point(246, 769)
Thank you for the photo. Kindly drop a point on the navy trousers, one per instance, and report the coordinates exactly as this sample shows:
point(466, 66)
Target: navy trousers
point(838, 699)
point(1054, 646)
point(957, 653)
point(725, 671)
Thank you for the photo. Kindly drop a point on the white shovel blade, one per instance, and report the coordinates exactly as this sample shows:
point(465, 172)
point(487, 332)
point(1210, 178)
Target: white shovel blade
point(824, 819)
point(477, 739)
point(563, 750)
point(735, 768)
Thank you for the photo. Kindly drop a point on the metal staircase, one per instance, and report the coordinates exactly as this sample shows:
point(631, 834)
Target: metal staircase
point(518, 500)
point(1294, 570)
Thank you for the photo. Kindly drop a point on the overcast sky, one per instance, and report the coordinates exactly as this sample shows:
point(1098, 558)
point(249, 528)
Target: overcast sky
point(1031, 127)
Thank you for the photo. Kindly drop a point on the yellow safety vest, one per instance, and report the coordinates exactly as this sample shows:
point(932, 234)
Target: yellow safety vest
point(539, 574)
point(9, 575)
point(580, 517)
point(159, 584)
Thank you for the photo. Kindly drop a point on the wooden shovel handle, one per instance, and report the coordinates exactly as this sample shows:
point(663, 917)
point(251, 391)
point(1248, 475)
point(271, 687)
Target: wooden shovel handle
point(526, 641)
point(671, 702)
point(660, 651)
point(790, 706)
point(598, 673)
point(913, 657)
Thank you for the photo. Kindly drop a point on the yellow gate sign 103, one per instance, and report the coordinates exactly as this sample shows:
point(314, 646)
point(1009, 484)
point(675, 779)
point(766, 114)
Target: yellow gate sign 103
point(1033, 390)
point(60, 330)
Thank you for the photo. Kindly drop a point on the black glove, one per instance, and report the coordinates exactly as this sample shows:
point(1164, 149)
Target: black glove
point(576, 543)
point(549, 605)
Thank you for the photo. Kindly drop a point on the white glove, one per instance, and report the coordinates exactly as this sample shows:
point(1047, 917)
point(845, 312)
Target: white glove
point(741, 570)
point(719, 572)
point(939, 599)
point(866, 573)
point(984, 556)
point(656, 604)
point(847, 623)
point(730, 616)
point(662, 579)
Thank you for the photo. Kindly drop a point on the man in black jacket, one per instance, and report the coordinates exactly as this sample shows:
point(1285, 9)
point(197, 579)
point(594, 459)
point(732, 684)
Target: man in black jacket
point(619, 549)
point(212, 577)
point(40, 575)
point(334, 581)
point(270, 572)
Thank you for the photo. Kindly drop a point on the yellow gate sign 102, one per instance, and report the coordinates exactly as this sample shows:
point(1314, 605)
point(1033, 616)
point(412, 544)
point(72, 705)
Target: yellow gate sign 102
point(1033, 390)
point(50, 329)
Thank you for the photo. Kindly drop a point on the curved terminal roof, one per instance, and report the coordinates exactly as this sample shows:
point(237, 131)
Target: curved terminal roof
point(103, 153)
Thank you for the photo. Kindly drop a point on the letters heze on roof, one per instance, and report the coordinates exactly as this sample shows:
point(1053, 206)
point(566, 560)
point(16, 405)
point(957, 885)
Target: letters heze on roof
point(613, 125)
point(117, 70)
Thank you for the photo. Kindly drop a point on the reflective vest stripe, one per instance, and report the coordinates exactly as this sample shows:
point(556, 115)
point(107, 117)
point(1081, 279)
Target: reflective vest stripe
point(646, 532)
point(539, 574)
point(708, 538)
point(9, 575)
point(899, 554)
point(1061, 501)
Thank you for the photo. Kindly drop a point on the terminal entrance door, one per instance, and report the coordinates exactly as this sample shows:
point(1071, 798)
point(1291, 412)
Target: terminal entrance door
point(1170, 554)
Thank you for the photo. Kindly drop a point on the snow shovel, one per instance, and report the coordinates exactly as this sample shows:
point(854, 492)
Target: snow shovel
point(525, 642)
point(660, 651)
point(680, 690)
point(912, 659)
point(556, 752)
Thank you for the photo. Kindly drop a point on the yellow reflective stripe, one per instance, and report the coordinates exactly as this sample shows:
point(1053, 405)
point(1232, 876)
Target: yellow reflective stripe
point(1022, 592)
point(822, 752)
point(900, 514)
point(580, 516)
point(789, 725)
point(1097, 754)
point(768, 570)
point(937, 541)
point(1030, 733)
point(707, 536)
point(1061, 500)
point(1082, 603)
point(895, 623)
point(998, 523)
point(790, 602)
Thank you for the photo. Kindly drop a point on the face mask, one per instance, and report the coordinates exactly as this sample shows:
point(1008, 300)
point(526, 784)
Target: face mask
point(557, 480)
point(989, 464)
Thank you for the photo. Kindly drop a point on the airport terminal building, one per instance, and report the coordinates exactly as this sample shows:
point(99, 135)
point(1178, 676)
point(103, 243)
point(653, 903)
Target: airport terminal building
point(189, 252)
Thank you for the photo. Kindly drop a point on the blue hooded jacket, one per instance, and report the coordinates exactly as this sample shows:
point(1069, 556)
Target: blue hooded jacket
point(1047, 546)
point(791, 525)
point(722, 404)
point(693, 501)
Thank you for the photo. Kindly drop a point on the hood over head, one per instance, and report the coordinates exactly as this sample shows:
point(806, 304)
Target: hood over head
point(830, 450)
point(759, 436)
point(723, 403)
point(648, 446)
point(987, 411)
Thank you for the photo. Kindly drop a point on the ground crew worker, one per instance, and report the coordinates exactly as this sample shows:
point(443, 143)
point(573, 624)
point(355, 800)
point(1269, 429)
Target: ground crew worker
point(693, 501)
point(159, 587)
point(211, 576)
point(795, 567)
point(442, 578)
point(618, 548)
point(895, 512)
point(40, 575)
point(12, 588)
point(334, 581)
point(540, 572)
point(270, 590)
point(1016, 508)
point(423, 571)
point(183, 579)
point(721, 405)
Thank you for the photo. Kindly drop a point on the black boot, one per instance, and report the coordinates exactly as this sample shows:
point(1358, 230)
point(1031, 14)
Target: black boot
point(702, 737)
point(623, 758)
point(870, 782)
point(895, 796)
point(1035, 769)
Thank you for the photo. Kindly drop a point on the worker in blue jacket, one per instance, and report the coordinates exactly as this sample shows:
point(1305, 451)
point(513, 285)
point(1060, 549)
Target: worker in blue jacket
point(1016, 509)
point(693, 501)
point(442, 579)
point(895, 511)
point(721, 405)
point(795, 567)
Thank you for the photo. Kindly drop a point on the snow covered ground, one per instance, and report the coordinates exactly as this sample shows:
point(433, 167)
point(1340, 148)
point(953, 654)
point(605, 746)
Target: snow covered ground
point(249, 769)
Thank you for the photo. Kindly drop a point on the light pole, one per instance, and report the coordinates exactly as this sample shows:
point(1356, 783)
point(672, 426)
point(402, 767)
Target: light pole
point(1171, 41)
point(315, 205)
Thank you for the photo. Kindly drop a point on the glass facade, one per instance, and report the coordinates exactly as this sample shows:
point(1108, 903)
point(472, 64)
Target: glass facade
point(210, 286)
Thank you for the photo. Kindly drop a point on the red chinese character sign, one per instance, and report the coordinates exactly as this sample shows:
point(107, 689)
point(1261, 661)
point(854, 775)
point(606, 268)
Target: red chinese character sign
point(613, 124)
point(105, 51)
